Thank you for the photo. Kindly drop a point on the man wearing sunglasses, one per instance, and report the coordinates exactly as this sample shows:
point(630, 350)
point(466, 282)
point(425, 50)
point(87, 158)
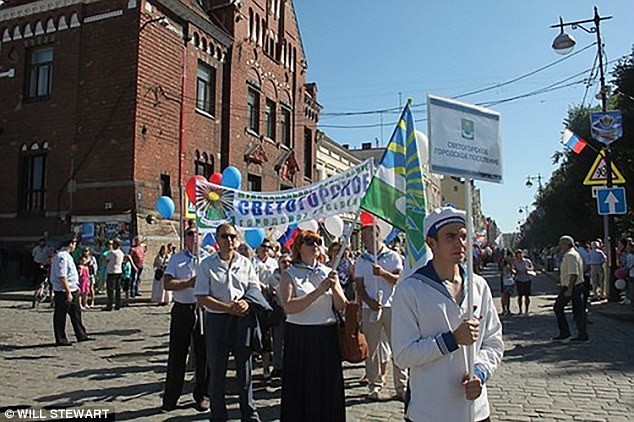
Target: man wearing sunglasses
point(223, 280)
point(180, 277)
point(262, 262)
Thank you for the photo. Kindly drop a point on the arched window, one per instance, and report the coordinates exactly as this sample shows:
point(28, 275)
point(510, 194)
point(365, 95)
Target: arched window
point(251, 29)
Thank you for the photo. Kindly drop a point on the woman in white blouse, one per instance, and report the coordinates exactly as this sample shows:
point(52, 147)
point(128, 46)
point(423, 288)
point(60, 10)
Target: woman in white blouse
point(310, 292)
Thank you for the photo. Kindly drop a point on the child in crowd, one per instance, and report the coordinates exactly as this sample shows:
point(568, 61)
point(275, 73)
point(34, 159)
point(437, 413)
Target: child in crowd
point(84, 282)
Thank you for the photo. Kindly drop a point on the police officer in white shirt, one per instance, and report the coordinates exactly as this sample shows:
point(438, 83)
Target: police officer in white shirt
point(65, 282)
point(180, 277)
point(221, 282)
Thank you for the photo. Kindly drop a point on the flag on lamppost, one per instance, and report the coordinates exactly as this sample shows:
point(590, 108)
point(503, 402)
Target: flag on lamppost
point(573, 141)
point(397, 192)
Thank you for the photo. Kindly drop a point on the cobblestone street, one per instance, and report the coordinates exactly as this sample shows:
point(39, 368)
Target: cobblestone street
point(124, 368)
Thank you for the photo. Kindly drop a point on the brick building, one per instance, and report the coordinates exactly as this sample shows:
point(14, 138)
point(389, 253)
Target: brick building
point(107, 105)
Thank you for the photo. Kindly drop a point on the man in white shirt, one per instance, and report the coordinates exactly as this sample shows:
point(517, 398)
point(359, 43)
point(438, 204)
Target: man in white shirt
point(596, 259)
point(375, 283)
point(221, 283)
point(41, 254)
point(263, 263)
point(65, 281)
point(571, 288)
point(430, 331)
point(114, 269)
point(185, 327)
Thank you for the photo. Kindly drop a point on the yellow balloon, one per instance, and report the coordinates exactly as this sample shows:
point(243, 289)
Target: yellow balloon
point(213, 196)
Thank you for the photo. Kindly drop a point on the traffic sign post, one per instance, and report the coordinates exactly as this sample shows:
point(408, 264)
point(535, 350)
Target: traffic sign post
point(611, 201)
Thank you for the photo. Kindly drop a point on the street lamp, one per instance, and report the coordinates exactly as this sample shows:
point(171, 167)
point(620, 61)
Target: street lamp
point(524, 209)
point(161, 20)
point(563, 44)
point(538, 179)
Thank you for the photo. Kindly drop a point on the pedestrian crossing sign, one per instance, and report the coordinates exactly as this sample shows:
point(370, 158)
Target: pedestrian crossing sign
point(598, 174)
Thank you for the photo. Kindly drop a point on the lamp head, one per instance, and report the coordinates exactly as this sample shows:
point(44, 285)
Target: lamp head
point(563, 43)
point(529, 183)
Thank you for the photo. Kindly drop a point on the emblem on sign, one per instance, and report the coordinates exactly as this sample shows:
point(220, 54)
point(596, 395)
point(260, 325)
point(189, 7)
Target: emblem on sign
point(468, 129)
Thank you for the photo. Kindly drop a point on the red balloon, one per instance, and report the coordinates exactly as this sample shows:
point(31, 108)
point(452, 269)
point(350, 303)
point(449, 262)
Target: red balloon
point(366, 218)
point(216, 178)
point(191, 187)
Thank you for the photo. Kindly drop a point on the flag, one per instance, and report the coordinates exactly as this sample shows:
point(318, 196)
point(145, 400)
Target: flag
point(397, 193)
point(573, 141)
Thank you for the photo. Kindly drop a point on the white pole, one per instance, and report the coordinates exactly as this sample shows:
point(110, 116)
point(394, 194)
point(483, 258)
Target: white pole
point(470, 349)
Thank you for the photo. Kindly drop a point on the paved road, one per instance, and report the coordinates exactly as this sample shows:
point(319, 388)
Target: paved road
point(124, 368)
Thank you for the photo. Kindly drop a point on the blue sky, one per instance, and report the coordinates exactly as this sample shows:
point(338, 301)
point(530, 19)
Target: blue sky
point(363, 53)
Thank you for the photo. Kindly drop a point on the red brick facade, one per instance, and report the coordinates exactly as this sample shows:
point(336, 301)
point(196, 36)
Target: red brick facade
point(112, 128)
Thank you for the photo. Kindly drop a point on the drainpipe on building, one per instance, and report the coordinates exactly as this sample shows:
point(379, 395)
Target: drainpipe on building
point(181, 135)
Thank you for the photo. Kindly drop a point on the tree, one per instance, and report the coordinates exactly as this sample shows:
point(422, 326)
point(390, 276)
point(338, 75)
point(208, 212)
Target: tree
point(565, 205)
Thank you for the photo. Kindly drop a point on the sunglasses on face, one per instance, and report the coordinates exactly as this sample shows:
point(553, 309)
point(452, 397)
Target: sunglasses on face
point(228, 236)
point(309, 241)
point(286, 262)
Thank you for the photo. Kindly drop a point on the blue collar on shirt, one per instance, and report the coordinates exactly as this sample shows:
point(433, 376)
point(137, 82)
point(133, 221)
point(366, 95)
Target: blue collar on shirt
point(430, 272)
point(382, 254)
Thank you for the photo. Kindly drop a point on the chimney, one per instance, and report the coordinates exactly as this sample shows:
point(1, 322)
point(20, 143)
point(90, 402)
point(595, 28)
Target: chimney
point(366, 145)
point(345, 146)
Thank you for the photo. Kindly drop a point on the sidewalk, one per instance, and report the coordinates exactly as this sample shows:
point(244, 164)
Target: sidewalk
point(608, 309)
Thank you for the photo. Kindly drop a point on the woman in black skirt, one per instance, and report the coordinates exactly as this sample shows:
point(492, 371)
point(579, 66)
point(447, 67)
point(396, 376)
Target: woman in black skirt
point(312, 382)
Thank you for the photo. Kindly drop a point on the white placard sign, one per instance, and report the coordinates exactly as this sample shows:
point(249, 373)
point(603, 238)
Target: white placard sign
point(464, 140)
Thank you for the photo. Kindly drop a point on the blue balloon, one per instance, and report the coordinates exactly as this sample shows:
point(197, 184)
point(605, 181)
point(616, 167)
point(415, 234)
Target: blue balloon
point(231, 178)
point(254, 237)
point(165, 206)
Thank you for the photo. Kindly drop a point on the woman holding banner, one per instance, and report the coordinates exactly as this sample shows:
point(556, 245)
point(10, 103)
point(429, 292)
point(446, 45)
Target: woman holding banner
point(312, 381)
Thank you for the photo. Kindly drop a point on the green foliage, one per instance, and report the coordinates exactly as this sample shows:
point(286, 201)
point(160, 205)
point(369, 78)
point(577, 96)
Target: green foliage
point(565, 205)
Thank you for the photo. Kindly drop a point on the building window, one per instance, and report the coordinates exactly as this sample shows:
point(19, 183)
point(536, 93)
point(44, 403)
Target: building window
point(270, 118)
point(40, 73)
point(33, 182)
point(204, 169)
point(308, 153)
point(254, 183)
point(285, 127)
point(206, 88)
point(253, 110)
point(166, 185)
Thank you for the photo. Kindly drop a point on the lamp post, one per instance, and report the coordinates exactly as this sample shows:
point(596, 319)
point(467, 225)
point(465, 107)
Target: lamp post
point(538, 179)
point(564, 44)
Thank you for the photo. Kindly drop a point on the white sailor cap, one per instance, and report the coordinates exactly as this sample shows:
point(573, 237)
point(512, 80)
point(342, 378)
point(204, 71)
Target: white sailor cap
point(441, 217)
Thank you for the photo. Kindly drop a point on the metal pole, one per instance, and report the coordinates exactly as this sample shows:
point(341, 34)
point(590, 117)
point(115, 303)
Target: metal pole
point(611, 257)
point(470, 349)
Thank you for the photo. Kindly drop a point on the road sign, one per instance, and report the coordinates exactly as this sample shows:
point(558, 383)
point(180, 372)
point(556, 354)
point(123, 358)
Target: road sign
point(606, 127)
point(598, 174)
point(611, 201)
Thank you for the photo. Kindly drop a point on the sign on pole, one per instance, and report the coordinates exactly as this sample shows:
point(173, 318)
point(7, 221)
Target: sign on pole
point(598, 174)
point(606, 127)
point(464, 139)
point(611, 201)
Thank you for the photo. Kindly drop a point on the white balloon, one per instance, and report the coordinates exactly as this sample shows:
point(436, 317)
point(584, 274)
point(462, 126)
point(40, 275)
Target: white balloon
point(275, 232)
point(309, 225)
point(423, 147)
point(620, 284)
point(334, 225)
point(385, 228)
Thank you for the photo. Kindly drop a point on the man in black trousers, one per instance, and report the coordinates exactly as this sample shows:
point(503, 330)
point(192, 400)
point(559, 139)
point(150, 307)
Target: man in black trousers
point(65, 282)
point(185, 325)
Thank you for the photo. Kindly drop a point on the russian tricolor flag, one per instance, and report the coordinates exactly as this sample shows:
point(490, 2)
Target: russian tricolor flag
point(573, 141)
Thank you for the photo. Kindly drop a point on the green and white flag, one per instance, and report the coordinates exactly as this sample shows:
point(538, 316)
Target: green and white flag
point(397, 192)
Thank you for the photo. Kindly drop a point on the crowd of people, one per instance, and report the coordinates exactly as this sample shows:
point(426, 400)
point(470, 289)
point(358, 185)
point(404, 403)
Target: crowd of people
point(282, 306)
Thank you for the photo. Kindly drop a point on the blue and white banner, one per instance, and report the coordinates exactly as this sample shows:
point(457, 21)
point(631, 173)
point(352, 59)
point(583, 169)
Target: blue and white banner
point(338, 194)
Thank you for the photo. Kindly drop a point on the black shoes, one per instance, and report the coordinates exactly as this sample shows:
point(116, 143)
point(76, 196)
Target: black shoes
point(561, 337)
point(63, 343)
point(86, 339)
point(202, 405)
point(580, 339)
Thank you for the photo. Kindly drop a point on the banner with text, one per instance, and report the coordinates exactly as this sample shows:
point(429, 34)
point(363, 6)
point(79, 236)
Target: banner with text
point(338, 194)
point(464, 139)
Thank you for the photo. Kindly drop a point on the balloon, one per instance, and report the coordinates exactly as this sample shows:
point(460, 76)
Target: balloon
point(216, 178)
point(334, 225)
point(366, 218)
point(165, 206)
point(276, 232)
point(309, 225)
point(254, 237)
point(385, 228)
point(620, 284)
point(190, 189)
point(231, 178)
